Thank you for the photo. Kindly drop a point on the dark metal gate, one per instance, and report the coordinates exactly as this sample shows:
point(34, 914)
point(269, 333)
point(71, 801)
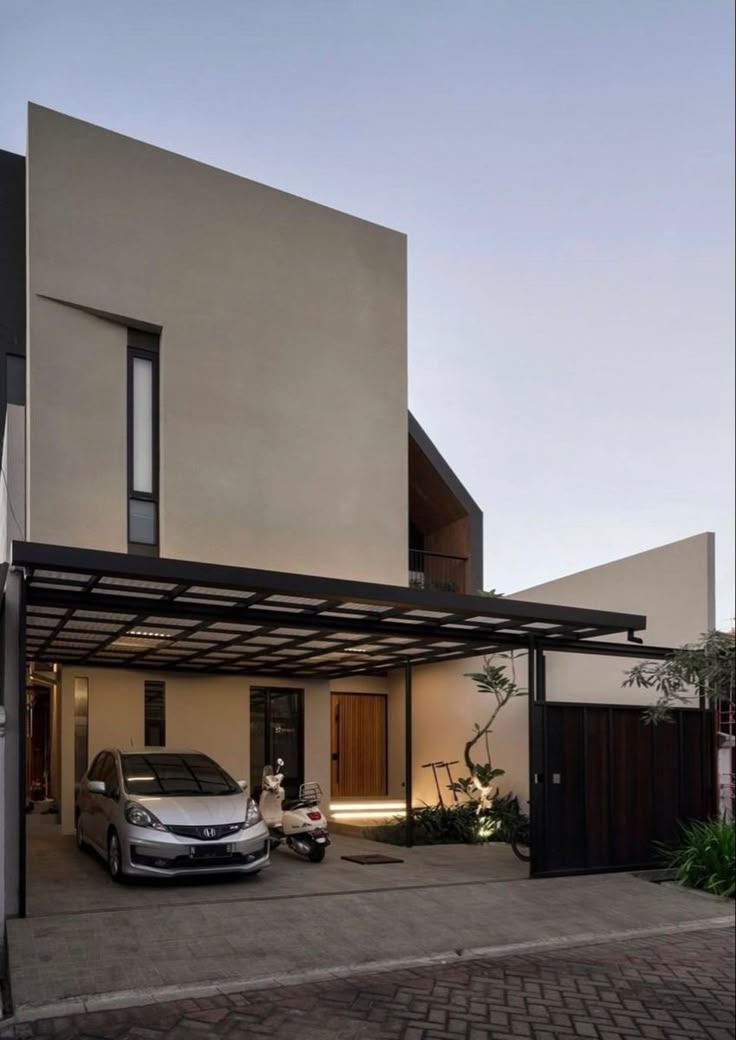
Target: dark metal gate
point(606, 787)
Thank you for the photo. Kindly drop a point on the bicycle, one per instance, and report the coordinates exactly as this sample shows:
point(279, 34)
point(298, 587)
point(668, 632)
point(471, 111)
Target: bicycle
point(520, 839)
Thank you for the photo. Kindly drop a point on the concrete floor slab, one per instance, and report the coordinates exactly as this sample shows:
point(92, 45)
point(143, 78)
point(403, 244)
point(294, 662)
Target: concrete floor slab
point(63, 880)
point(300, 917)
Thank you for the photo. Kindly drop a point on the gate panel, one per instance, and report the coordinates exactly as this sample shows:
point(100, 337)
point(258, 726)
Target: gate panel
point(598, 795)
point(609, 787)
point(666, 758)
point(632, 778)
point(565, 789)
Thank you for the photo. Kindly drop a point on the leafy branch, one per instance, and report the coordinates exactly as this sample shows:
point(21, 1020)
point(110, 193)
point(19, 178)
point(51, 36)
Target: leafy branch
point(492, 679)
point(707, 666)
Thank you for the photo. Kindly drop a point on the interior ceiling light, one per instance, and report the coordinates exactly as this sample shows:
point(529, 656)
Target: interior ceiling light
point(136, 643)
point(146, 634)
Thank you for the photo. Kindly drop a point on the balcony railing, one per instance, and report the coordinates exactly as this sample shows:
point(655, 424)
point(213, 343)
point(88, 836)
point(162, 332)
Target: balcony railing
point(428, 570)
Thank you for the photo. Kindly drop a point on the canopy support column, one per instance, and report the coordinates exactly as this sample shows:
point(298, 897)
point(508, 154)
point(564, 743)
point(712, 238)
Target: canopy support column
point(408, 756)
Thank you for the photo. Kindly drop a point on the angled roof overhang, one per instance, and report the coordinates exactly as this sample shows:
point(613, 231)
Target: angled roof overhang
point(119, 610)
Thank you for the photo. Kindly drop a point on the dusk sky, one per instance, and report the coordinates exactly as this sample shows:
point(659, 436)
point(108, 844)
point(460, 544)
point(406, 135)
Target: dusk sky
point(564, 172)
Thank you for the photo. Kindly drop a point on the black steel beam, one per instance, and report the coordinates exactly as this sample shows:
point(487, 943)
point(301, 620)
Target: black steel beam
point(605, 649)
point(22, 723)
point(271, 618)
point(67, 558)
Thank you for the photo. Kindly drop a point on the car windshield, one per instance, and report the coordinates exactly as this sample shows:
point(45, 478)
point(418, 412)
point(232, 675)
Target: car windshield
point(171, 774)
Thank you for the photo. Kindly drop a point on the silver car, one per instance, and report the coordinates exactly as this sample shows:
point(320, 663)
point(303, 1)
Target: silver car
point(165, 813)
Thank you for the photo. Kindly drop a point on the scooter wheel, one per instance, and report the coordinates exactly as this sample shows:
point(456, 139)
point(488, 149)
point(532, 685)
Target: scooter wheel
point(317, 853)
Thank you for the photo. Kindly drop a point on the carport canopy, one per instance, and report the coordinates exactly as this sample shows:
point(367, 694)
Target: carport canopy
point(128, 611)
point(119, 610)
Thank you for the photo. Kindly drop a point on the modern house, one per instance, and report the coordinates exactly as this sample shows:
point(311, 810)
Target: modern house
point(223, 528)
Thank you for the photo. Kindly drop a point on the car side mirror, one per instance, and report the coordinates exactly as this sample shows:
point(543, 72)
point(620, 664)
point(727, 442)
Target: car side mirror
point(96, 786)
point(243, 785)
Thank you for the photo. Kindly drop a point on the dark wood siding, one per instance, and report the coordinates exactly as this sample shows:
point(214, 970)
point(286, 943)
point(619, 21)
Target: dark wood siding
point(614, 787)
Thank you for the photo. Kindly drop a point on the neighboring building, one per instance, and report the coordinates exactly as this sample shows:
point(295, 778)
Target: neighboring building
point(215, 372)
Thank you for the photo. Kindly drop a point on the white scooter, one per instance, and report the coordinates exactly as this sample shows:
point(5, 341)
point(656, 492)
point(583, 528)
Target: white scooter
point(301, 824)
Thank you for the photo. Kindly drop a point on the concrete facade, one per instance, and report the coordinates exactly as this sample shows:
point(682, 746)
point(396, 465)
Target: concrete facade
point(283, 360)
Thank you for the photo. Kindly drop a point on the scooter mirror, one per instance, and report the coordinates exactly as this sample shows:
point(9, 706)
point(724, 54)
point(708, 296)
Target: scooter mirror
point(279, 763)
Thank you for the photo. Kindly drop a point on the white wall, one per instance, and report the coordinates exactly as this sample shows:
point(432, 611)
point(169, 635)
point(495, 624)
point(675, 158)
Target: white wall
point(673, 585)
point(283, 360)
point(209, 713)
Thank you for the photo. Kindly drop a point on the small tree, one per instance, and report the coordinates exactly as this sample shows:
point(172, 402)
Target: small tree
point(494, 680)
point(707, 666)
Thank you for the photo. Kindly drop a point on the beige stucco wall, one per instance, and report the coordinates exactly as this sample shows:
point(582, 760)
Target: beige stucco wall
point(673, 585)
point(211, 714)
point(283, 360)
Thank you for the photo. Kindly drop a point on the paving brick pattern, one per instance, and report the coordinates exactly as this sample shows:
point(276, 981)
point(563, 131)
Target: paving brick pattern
point(675, 987)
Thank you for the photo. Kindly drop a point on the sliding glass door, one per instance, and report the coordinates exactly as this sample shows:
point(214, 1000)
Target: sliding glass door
point(277, 731)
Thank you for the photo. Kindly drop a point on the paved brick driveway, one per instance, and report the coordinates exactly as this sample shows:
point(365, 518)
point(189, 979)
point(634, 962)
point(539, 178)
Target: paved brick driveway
point(674, 987)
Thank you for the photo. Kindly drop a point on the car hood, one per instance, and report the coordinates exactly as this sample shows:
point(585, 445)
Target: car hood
point(182, 810)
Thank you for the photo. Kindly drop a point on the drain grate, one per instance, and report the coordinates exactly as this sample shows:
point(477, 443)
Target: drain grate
point(371, 858)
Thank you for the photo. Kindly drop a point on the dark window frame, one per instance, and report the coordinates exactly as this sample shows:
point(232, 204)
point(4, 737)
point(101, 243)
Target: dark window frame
point(81, 728)
point(154, 688)
point(296, 775)
point(144, 345)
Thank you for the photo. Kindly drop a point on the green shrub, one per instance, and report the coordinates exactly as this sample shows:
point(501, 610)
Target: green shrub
point(459, 824)
point(706, 857)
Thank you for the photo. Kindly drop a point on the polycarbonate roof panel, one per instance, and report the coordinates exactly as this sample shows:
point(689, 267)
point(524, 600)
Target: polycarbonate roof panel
point(95, 607)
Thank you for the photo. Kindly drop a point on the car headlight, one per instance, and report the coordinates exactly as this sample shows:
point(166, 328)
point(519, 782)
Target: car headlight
point(252, 813)
point(141, 817)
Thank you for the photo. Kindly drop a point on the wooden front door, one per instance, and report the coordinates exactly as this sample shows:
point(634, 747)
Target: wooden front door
point(359, 745)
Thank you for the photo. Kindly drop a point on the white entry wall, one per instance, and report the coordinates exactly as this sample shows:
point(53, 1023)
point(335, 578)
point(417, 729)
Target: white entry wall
point(209, 713)
point(673, 585)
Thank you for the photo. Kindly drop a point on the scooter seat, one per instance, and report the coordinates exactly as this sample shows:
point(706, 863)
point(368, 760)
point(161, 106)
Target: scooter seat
point(298, 803)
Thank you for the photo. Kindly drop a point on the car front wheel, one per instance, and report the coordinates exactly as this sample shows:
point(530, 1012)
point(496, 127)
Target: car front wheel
point(115, 858)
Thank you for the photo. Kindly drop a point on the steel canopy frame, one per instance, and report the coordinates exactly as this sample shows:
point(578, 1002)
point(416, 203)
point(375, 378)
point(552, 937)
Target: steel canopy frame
point(137, 611)
point(127, 611)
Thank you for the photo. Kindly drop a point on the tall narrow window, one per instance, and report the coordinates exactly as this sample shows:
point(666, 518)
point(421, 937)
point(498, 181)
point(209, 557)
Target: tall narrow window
point(81, 728)
point(142, 442)
point(154, 694)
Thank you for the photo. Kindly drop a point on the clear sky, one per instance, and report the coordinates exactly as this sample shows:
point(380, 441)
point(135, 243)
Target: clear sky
point(564, 171)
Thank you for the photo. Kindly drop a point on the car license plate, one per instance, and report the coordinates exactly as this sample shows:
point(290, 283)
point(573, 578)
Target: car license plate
point(210, 851)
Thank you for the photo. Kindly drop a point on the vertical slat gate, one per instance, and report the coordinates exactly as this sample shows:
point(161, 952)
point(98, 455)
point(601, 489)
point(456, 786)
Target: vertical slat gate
point(611, 787)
